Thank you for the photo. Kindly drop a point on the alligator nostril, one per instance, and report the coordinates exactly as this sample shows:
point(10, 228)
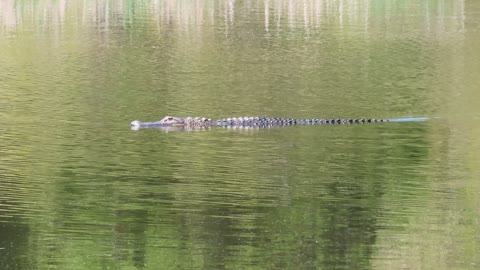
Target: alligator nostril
point(135, 123)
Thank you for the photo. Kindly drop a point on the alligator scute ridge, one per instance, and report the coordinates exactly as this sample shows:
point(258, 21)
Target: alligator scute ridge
point(245, 122)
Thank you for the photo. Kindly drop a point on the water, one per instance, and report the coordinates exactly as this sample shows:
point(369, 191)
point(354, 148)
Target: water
point(80, 190)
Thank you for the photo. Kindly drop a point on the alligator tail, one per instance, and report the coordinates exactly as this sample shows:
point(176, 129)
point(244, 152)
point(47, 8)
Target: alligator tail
point(408, 119)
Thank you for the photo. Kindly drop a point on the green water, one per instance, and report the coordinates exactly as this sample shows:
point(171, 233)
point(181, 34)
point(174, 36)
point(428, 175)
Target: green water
point(80, 190)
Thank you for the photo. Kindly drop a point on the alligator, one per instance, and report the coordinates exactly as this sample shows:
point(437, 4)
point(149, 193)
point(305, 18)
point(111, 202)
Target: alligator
point(174, 122)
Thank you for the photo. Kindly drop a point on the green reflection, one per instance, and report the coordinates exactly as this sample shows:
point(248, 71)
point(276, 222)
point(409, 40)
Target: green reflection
point(80, 190)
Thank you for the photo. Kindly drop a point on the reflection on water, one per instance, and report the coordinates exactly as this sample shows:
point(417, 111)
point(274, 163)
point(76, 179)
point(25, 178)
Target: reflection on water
point(80, 190)
point(439, 17)
point(300, 196)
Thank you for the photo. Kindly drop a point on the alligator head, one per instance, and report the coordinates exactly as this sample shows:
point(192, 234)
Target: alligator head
point(166, 121)
point(173, 121)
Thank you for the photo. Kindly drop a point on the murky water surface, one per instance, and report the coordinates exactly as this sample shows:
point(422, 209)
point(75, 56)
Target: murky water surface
point(80, 190)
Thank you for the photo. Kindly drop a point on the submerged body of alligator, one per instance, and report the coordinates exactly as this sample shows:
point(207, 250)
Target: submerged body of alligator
point(253, 122)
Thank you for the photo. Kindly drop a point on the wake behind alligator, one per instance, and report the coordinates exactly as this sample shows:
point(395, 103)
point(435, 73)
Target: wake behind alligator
point(189, 123)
